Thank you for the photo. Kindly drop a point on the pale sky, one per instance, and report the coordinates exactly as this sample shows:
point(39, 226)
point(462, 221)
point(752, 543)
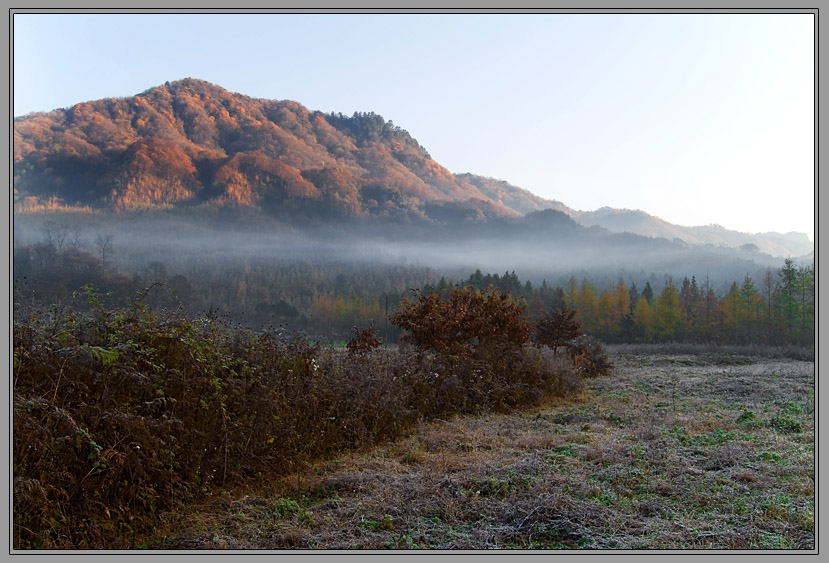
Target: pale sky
point(695, 118)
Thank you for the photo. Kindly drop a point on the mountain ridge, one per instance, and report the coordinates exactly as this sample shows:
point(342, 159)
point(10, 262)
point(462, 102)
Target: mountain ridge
point(193, 142)
point(190, 142)
point(639, 222)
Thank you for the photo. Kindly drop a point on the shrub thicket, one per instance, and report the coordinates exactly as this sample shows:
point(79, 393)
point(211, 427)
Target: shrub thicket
point(478, 341)
point(122, 414)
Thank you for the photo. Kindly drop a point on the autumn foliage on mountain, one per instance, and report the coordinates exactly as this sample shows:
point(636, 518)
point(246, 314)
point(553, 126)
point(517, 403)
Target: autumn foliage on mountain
point(193, 143)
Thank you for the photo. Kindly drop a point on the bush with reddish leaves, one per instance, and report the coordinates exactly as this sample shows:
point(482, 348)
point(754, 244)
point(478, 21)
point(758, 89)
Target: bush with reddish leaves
point(470, 324)
point(364, 340)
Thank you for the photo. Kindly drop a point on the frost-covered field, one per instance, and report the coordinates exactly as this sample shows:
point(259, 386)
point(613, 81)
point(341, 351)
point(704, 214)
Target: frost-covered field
point(672, 452)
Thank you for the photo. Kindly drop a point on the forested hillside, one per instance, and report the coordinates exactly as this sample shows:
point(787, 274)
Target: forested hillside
point(190, 142)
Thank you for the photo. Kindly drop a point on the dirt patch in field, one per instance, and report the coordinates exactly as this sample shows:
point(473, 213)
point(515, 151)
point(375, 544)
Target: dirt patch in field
point(671, 452)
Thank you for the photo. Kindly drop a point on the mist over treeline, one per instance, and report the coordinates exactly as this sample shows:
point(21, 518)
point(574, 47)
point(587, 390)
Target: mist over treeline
point(263, 274)
point(543, 245)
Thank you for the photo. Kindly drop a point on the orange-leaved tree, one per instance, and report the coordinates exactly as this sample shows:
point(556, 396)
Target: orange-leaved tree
point(471, 323)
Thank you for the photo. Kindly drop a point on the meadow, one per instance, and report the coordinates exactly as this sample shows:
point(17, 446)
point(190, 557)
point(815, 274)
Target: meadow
point(691, 451)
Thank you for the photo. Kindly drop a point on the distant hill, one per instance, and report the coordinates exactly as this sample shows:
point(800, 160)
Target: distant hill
point(641, 223)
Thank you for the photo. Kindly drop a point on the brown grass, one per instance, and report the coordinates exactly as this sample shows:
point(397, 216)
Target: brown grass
point(672, 452)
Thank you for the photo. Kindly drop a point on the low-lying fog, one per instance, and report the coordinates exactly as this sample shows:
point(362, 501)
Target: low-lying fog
point(533, 255)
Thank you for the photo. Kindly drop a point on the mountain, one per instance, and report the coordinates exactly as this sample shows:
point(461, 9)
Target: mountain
point(194, 143)
point(193, 146)
point(641, 223)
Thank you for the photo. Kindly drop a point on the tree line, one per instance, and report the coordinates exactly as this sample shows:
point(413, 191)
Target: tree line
point(778, 310)
point(327, 297)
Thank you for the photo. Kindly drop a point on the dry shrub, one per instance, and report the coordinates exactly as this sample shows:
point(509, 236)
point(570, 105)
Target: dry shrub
point(363, 340)
point(589, 358)
point(566, 380)
point(473, 349)
point(125, 414)
point(116, 416)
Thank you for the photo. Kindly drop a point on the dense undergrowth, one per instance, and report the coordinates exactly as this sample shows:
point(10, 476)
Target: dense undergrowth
point(121, 414)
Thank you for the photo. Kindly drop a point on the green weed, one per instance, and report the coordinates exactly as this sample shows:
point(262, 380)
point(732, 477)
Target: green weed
point(386, 523)
point(771, 457)
point(786, 424)
point(747, 416)
point(286, 507)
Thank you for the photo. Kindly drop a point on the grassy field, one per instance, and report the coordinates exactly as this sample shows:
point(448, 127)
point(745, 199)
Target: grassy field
point(672, 452)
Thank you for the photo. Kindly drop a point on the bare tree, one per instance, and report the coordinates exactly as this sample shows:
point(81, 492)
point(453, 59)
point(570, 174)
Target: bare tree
point(104, 244)
point(74, 235)
point(55, 235)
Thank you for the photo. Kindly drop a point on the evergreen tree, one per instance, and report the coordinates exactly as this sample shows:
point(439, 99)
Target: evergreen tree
point(571, 292)
point(633, 295)
point(788, 297)
point(689, 300)
point(731, 314)
point(770, 307)
point(806, 286)
point(647, 293)
point(709, 307)
point(553, 298)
